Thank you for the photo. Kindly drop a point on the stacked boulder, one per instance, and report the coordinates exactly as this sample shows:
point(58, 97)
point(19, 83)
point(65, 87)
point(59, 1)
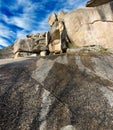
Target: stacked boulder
point(57, 38)
point(33, 44)
point(92, 25)
point(53, 41)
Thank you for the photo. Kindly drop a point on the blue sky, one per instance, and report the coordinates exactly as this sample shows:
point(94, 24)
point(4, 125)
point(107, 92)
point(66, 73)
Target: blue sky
point(21, 17)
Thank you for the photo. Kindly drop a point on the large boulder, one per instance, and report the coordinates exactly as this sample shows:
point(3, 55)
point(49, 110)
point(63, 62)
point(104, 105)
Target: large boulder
point(57, 35)
point(68, 92)
point(54, 32)
point(91, 26)
point(34, 43)
point(54, 38)
point(93, 3)
point(55, 46)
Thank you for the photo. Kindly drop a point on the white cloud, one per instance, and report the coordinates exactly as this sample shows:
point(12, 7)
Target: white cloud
point(3, 42)
point(20, 21)
point(26, 19)
point(6, 32)
point(71, 5)
point(28, 6)
point(21, 34)
point(43, 26)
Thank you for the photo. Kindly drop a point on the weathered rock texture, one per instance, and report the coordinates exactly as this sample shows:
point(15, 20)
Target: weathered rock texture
point(67, 92)
point(60, 15)
point(52, 18)
point(34, 43)
point(91, 26)
point(57, 35)
point(86, 26)
point(93, 3)
point(7, 52)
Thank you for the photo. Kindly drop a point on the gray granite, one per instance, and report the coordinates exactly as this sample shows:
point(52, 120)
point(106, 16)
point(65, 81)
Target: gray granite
point(61, 92)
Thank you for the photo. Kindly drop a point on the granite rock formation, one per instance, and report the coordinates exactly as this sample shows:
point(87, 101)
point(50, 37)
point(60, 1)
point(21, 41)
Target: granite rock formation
point(57, 35)
point(72, 91)
point(65, 92)
point(87, 26)
point(34, 43)
point(91, 26)
point(60, 15)
point(7, 52)
point(52, 18)
point(93, 3)
point(81, 27)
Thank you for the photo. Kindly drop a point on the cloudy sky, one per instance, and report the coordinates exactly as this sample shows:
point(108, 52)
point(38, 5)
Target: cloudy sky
point(21, 17)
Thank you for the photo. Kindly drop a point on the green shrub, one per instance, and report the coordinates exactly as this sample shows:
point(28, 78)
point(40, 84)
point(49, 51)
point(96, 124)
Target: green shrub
point(71, 45)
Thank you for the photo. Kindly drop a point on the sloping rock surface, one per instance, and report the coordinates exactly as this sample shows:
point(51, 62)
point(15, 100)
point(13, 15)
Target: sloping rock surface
point(64, 92)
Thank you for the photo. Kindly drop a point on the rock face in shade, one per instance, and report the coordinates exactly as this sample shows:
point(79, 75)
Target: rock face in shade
point(7, 52)
point(93, 3)
point(65, 92)
point(91, 26)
